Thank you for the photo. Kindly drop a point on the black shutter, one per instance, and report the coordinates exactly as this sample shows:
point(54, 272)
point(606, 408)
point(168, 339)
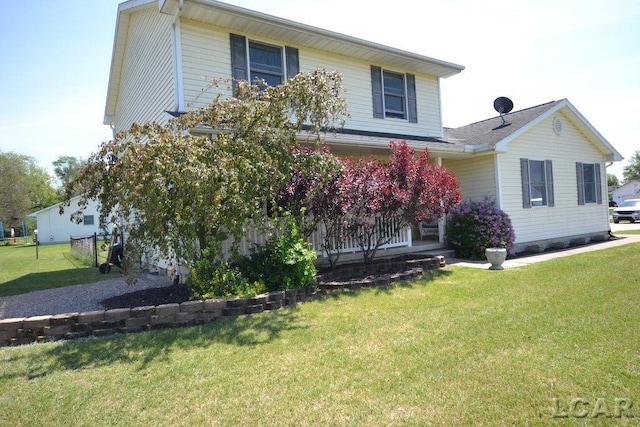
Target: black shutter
point(524, 173)
point(238, 59)
point(598, 183)
point(549, 170)
point(376, 87)
point(411, 98)
point(580, 180)
point(293, 63)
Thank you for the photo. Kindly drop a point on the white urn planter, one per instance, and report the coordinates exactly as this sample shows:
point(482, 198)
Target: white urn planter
point(496, 256)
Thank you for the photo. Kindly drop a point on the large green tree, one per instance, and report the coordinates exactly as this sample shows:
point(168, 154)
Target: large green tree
point(632, 170)
point(189, 184)
point(24, 187)
point(67, 170)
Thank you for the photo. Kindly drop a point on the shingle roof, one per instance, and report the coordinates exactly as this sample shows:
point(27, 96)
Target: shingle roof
point(488, 133)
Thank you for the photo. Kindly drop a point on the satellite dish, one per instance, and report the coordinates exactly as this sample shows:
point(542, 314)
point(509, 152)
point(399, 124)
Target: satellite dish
point(503, 105)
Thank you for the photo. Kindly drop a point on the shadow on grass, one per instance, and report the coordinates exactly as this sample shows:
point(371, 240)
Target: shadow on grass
point(427, 277)
point(51, 279)
point(142, 349)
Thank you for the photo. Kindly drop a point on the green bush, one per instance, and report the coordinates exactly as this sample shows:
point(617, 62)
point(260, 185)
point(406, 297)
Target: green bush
point(284, 262)
point(216, 279)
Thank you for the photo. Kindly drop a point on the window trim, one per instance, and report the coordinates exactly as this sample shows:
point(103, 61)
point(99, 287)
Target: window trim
point(379, 94)
point(241, 64)
point(525, 171)
point(581, 183)
point(392, 92)
point(84, 219)
point(543, 184)
point(251, 69)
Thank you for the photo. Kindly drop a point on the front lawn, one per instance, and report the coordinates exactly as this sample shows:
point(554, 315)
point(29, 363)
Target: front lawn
point(463, 346)
point(21, 272)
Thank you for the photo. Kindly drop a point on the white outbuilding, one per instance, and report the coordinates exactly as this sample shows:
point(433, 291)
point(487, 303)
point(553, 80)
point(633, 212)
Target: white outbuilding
point(56, 228)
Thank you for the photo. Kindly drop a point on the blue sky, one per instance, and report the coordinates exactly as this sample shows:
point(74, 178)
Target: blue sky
point(56, 57)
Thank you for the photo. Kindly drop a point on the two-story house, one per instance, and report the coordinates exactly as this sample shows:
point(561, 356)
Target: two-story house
point(544, 166)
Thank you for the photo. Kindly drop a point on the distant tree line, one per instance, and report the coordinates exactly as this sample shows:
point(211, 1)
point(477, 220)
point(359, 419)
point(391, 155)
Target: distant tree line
point(26, 187)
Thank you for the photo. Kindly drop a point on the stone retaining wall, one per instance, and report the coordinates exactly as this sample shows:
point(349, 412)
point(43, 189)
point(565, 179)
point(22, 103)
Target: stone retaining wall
point(18, 331)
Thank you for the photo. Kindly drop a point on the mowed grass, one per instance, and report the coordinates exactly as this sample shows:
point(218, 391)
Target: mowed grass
point(462, 346)
point(21, 272)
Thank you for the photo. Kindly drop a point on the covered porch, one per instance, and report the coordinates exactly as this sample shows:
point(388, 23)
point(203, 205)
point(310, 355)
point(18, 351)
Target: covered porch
point(423, 237)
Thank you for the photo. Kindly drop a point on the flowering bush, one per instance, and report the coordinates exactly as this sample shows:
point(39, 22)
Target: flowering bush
point(476, 225)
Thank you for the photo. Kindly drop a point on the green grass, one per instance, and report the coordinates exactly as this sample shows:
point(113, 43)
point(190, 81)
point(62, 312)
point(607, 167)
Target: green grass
point(21, 272)
point(461, 347)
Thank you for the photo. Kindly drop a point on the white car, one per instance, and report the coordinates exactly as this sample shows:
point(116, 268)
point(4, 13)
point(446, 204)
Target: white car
point(628, 210)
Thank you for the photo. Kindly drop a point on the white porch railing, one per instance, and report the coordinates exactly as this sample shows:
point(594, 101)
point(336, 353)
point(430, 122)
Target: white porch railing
point(397, 238)
point(384, 230)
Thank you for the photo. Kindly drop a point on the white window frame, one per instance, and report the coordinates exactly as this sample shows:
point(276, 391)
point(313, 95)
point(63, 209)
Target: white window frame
point(592, 184)
point(258, 43)
point(405, 96)
point(545, 197)
point(84, 221)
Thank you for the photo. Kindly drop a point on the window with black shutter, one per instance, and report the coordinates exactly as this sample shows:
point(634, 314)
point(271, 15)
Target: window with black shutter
point(394, 95)
point(253, 60)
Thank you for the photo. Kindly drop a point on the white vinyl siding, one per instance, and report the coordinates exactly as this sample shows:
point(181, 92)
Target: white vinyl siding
point(206, 55)
point(147, 85)
point(55, 228)
point(356, 78)
point(565, 218)
point(477, 177)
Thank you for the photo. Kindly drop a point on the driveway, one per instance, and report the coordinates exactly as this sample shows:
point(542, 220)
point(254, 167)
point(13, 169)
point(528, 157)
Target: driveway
point(625, 225)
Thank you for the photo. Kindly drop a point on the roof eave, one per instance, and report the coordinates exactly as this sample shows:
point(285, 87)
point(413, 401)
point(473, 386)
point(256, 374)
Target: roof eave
point(253, 22)
point(611, 154)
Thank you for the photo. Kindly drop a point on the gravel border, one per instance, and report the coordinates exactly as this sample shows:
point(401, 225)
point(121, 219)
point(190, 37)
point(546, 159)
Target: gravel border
point(76, 298)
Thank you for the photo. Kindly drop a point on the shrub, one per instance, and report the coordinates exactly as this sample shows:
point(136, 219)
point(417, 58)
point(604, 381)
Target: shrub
point(476, 225)
point(215, 279)
point(284, 262)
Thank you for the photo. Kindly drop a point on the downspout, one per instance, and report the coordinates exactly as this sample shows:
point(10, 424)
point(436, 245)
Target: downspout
point(498, 177)
point(176, 38)
point(604, 187)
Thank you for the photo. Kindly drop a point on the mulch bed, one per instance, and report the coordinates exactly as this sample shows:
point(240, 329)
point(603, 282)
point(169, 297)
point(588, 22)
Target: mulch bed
point(177, 293)
point(151, 296)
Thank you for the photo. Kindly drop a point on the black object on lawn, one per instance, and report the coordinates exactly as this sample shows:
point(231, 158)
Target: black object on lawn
point(114, 257)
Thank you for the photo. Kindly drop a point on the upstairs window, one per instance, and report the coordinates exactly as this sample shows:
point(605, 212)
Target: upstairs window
point(537, 183)
point(266, 63)
point(251, 60)
point(394, 95)
point(87, 220)
point(589, 183)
